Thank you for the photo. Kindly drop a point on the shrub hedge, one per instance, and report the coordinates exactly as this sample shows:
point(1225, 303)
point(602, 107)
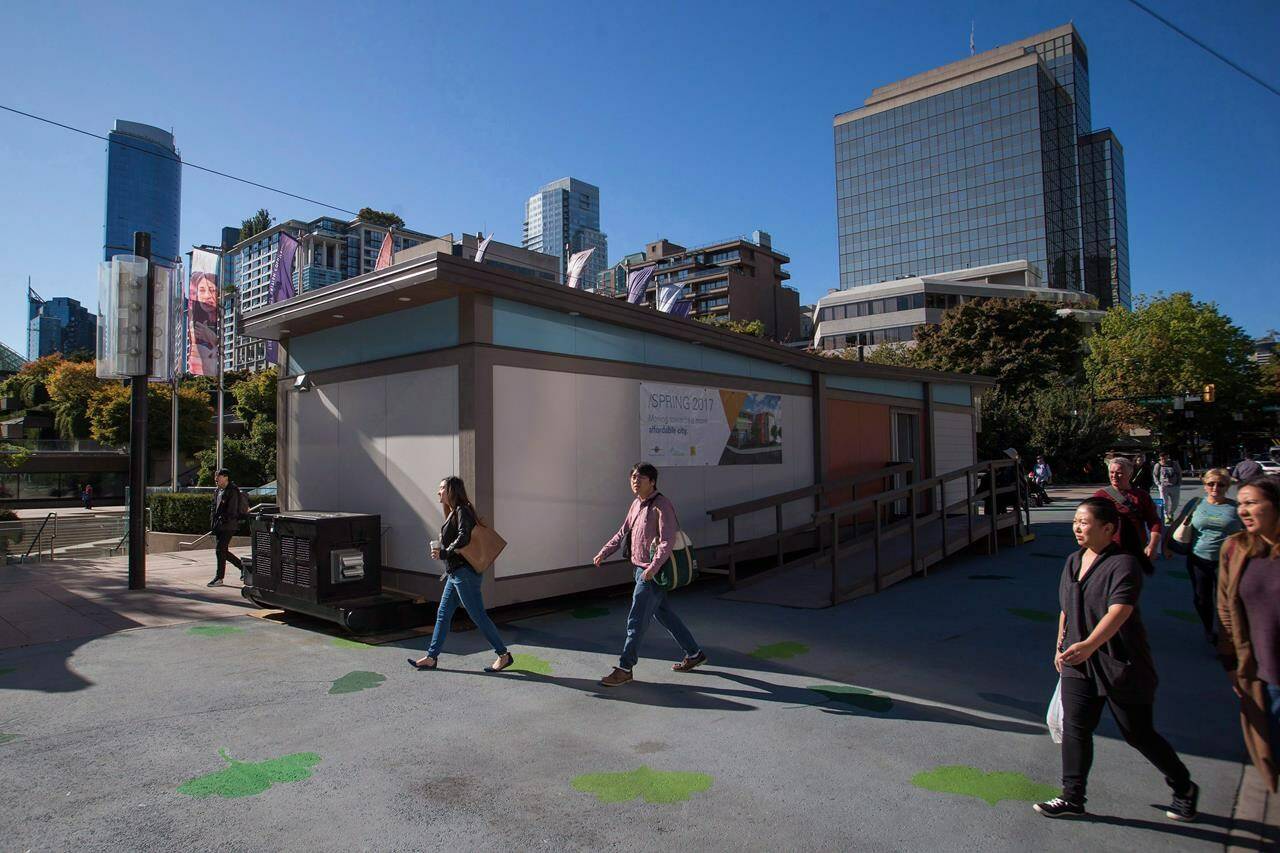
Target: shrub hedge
point(180, 512)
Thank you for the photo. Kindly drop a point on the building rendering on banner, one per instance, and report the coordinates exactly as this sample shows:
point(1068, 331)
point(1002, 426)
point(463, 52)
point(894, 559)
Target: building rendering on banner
point(739, 279)
point(891, 311)
point(144, 191)
point(330, 250)
point(60, 325)
point(985, 161)
point(567, 213)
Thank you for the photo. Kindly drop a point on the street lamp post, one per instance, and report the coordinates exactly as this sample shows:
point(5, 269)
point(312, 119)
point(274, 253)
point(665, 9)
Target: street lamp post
point(138, 428)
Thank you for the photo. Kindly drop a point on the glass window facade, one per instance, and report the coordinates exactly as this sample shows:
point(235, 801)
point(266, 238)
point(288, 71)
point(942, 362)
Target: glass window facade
point(144, 191)
point(1104, 220)
point(985, 173)
point(567, 213)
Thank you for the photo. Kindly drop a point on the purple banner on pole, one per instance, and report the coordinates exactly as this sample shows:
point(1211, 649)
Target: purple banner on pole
point(637, 281)
point(683, 308)
point(282, 272)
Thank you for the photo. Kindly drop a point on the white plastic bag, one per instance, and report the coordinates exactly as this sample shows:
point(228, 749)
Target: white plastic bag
point(1054, 718)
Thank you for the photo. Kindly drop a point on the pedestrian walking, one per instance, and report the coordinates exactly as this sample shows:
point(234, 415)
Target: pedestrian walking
point(1104, 660)
point(1141, 476)
point(1246, 469)
point(229, 506)
point(1249, 609)
point(1041, 474)
point(1168, 477)
point(461, 581)
point(1200, 530)
point(1140, 526)
point(645, 537)
point(86, 496)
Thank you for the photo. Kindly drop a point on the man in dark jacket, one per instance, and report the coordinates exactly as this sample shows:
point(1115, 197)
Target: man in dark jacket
point(223, 520)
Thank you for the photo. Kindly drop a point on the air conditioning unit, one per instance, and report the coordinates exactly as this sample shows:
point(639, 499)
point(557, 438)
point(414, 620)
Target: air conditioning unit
point(317, 557)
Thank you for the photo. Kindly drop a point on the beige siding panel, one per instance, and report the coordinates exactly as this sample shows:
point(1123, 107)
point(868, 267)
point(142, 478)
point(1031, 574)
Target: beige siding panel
point(953, 434)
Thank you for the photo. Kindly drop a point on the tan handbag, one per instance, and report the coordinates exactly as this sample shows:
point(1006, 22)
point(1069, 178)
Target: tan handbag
point(484, 547)
point(1185, 533)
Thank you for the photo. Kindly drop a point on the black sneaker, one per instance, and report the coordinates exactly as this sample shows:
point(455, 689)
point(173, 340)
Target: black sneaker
point(1058, 807)
point(1184, 807)
point(215, 582)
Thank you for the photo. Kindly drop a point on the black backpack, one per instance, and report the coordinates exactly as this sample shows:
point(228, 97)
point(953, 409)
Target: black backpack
point(242, 504)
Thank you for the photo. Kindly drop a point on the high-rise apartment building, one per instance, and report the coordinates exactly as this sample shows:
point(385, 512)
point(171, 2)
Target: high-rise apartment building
point(331, 250)
point(566, 214)
point(739, 279)
point(60, 325)
point(144, 191)
point(985, 161)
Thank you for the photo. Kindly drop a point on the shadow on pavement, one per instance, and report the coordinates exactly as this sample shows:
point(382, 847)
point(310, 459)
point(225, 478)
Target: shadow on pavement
point(1207, 827)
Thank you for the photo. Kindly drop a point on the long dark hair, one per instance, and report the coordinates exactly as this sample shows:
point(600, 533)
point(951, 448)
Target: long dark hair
point(1269, 487)
point(455, 492)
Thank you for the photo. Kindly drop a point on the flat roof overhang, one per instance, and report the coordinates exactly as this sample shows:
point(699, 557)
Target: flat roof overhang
point(434, 277)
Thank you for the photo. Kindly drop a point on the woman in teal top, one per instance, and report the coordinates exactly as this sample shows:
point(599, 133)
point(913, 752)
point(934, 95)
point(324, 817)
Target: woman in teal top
point(1212, 520)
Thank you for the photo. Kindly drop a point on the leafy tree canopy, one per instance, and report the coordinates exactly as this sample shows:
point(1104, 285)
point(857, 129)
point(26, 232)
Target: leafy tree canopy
point(755, 328)
point(380, 217)
point(71, 385)
point(108, 415)
point(256, 224)
point(255, 397)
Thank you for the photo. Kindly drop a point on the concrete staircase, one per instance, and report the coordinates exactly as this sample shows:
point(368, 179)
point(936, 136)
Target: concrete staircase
point(68, 536)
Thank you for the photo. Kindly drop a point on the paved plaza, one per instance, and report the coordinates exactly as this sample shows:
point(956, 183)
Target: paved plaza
point(910, 720)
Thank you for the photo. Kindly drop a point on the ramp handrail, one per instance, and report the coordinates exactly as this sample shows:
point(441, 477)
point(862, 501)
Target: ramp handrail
point(197, 541)
point(35, 539)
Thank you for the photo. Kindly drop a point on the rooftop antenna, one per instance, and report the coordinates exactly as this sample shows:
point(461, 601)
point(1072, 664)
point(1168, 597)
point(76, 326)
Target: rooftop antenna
point(971, 48)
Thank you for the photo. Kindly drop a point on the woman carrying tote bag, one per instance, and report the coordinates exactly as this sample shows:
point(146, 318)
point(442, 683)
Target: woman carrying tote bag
point(462, 581)
point(1203, 526)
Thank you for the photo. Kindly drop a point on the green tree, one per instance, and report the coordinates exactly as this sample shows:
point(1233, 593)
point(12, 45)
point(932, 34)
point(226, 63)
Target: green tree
point(108, 414)
point(1022, 343)
point(380, 217)
point(71, 385)
point(896, 354)
point(1173, 345)
point(256, 224)
point(255, 396)
point(754, 328)
point(243, 458)
point(29, 385)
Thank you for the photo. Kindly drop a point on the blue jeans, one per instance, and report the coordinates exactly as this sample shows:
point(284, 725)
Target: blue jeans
point(463, 587)
point(649, 601)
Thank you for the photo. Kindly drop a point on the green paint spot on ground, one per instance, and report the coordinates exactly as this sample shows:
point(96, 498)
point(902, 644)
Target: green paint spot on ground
point(653, 786)
point(857, 697)
point(1177, 575)
point(214, 630)
point(354, 682)
point(991, 787)
point(344, 643)
point(780, 651)
point(5, 670)
point(530, 664)
point(8, 737)
point(1184, 615)
point(1033, 615)
point(590, 612)
point(246, 778)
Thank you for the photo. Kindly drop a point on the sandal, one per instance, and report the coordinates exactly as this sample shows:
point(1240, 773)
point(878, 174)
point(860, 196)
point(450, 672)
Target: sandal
point(421, 666)
point(504, 661)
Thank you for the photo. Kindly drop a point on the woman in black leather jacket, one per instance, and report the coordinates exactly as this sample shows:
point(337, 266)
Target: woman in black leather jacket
point(462, 582)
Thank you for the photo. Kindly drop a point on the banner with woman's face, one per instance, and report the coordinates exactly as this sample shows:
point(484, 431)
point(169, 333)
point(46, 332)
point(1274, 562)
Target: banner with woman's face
point(202, 314)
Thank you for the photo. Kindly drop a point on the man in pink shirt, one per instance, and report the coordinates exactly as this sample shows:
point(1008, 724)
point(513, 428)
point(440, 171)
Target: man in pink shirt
point(646, 533)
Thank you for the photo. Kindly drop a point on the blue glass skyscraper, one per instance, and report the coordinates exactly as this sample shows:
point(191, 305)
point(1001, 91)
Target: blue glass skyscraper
point(988, 160)
point(567, 213)
point(144, 191)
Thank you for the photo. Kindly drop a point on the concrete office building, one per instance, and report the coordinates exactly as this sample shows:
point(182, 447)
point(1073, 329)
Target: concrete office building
point(144, 191)
point(891, 311)
point(736, 279)
point(332, 250)
point(60, 324)
point(566, 213)
point(984, 161)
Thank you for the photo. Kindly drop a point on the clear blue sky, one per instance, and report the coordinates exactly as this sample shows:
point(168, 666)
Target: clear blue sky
point(697, 120)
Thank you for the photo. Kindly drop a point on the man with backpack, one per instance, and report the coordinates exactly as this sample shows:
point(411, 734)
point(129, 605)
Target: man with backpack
point(646, 538)
point(230, 505)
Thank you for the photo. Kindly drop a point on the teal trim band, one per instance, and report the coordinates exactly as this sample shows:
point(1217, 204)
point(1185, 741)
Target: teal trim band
point(871, 385)
point(411, 330)
point(955, 395)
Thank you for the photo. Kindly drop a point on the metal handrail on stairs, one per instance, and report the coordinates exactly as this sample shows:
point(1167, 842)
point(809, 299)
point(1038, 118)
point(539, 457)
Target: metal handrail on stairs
point(194, 542)
point(36, 539)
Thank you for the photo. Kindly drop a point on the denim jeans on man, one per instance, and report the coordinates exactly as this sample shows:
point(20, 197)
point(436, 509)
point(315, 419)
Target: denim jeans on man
point(1273, 697)
point(649, 602)
point(463, 587)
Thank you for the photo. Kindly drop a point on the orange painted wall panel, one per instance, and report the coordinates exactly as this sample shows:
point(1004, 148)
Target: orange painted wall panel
point(858, 437)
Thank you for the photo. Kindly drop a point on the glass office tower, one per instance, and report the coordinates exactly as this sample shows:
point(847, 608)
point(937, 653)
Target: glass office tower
point(977, 163)
point(144, 191)
point(567, 213)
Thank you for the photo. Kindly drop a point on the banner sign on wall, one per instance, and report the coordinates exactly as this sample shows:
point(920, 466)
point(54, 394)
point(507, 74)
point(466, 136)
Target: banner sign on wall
point(202, 314)
point(682, 425)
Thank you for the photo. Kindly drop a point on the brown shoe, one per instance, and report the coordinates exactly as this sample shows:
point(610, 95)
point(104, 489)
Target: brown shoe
point(617, 678)
point(690, 663)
